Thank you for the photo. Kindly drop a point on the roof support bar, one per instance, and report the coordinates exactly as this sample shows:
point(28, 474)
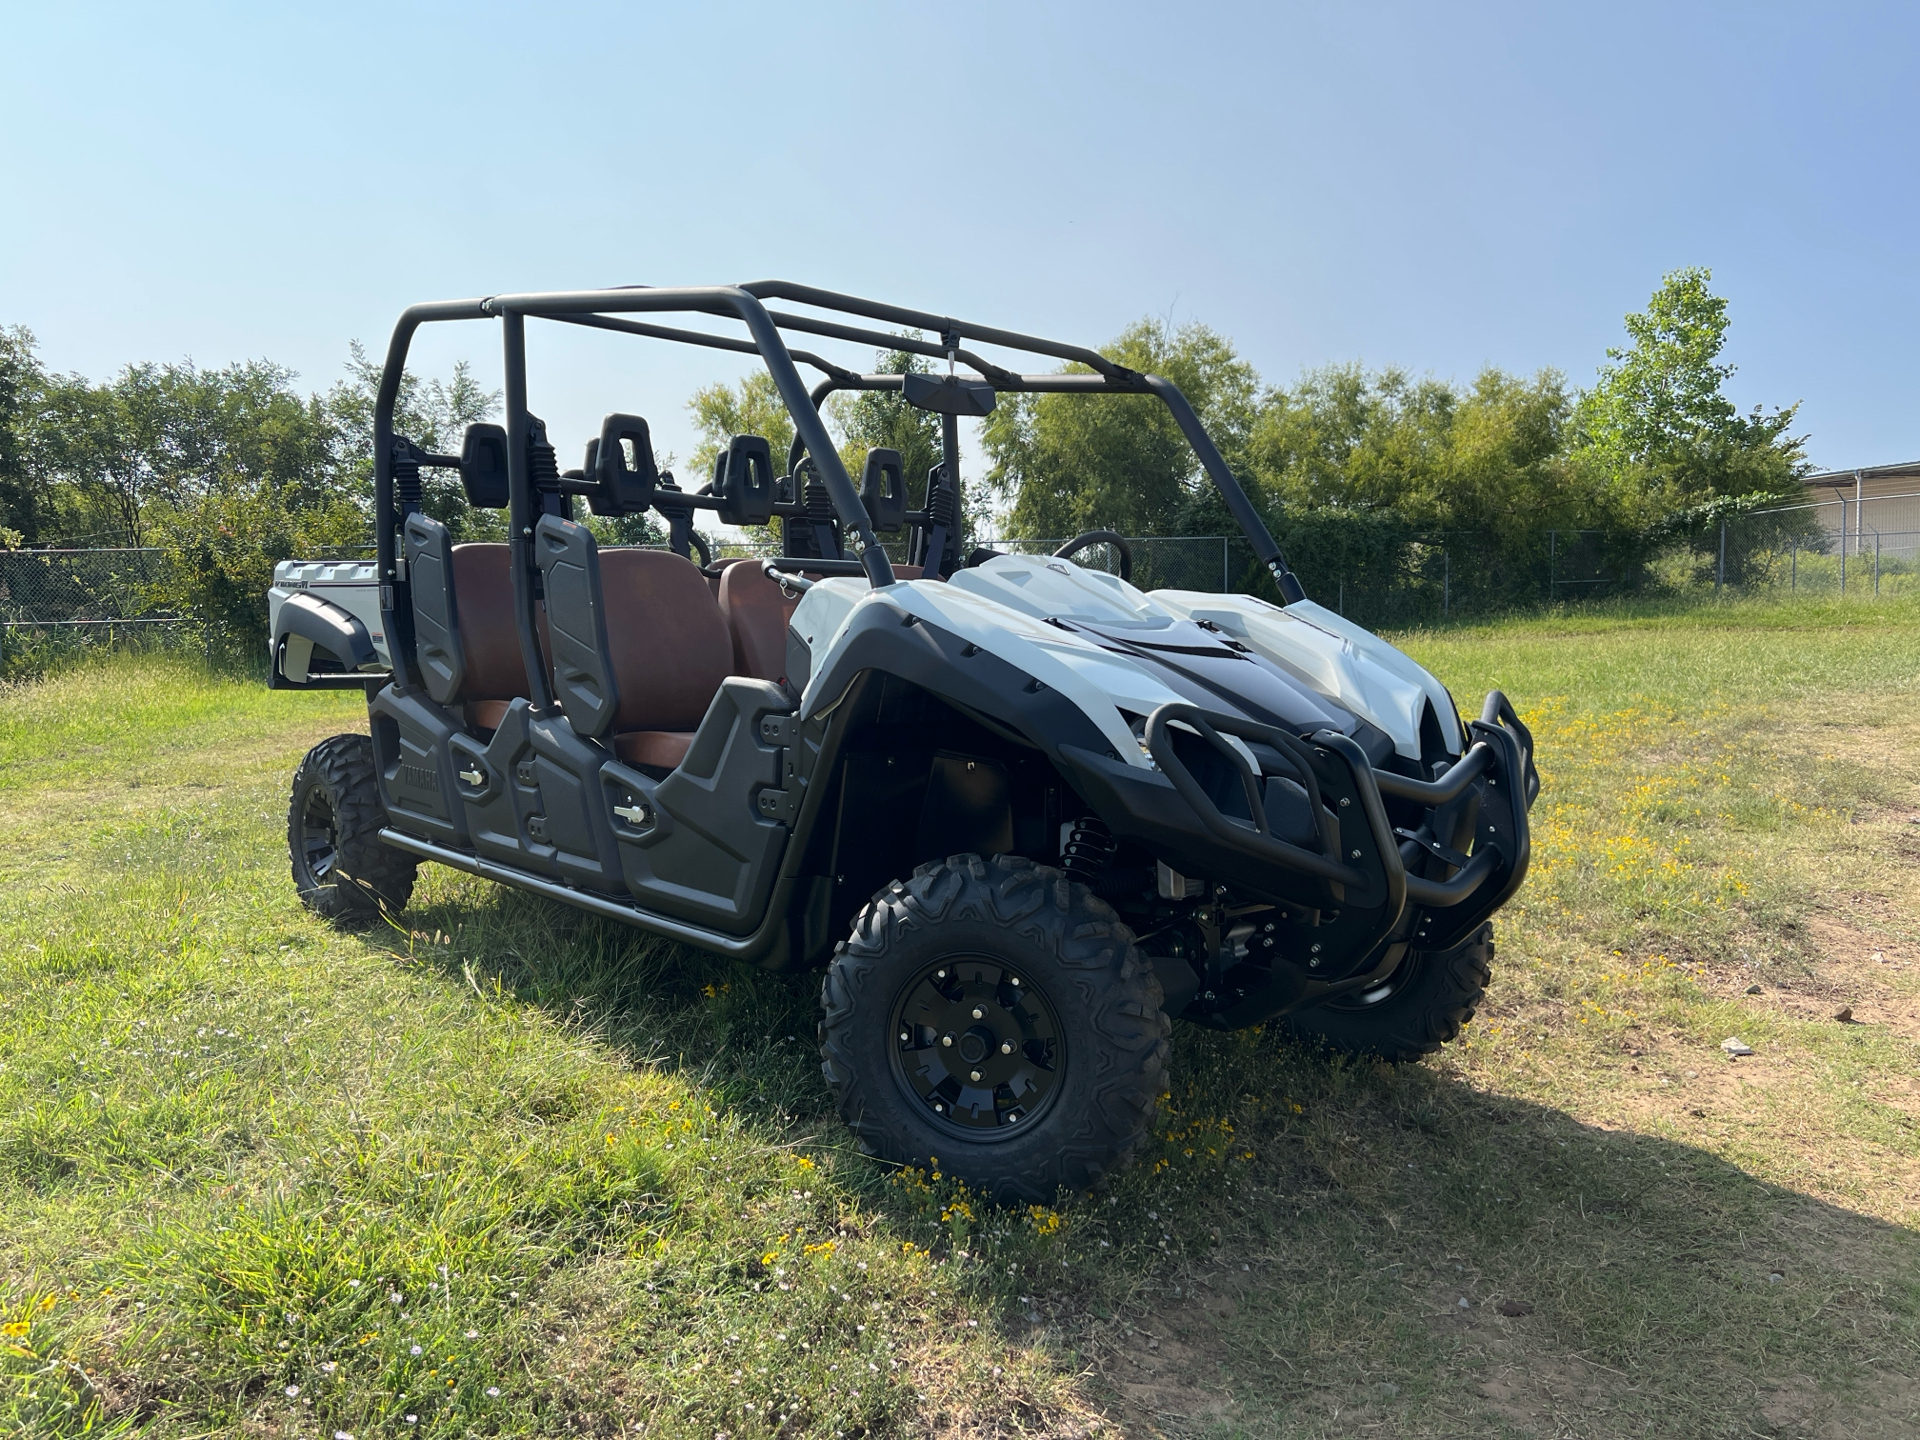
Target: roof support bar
point(699, 337)
point(730, 300)
point(598, 309)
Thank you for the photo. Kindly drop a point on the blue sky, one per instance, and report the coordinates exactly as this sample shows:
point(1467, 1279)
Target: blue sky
point(1439, 187)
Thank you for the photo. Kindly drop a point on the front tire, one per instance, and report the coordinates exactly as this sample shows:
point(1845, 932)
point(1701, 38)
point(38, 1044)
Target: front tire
point(1412, 1013)
point(341, 869)
point(997, 1016)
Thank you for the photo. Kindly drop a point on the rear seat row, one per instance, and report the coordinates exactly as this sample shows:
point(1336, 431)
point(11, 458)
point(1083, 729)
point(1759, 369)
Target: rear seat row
point(673, 634)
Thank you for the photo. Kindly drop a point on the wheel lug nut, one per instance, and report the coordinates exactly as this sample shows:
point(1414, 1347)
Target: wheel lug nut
point(973, 1074)
point(1006, 1047)
point(978, 1013)
point(904, 1037)
point(947, 1040)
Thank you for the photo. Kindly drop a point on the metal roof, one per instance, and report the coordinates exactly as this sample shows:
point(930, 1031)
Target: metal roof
point(1863, 472)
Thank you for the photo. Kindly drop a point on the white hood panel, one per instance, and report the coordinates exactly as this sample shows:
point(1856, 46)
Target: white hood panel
point(1002, 606)
point(1335, 656)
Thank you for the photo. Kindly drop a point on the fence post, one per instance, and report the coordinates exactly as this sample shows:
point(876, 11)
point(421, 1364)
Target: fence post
point(1553, 562)
point(1340, 604)
point(1793, 575)
point(1876, 564)
point(1226, 566)
point(1720, 572)
point(1446, 583)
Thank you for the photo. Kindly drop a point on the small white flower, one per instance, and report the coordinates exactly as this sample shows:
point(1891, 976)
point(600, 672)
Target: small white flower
point(329, 1366)
point(473, 1334)
point(493, 1391)
point(293, 1391)
point(413, 1419)
point(341, 1435)
point(415, 1350)
point(395, 1296)
point(353, 1284)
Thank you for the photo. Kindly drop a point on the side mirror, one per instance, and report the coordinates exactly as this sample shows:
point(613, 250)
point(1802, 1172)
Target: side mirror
point(623, 489)
point(948, 394)
point(883, 489)
point(743, 481)
point(483, 466)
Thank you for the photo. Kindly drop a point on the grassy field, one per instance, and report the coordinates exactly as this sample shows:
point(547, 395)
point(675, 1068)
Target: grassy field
point(504, 1170)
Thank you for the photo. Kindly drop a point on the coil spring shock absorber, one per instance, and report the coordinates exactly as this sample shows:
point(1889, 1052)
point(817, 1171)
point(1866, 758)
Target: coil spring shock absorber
point(1090, 850)
point(406, 475)
point(542, 465)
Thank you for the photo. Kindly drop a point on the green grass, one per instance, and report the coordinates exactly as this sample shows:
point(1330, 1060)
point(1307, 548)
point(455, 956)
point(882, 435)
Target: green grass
point(602, 1177)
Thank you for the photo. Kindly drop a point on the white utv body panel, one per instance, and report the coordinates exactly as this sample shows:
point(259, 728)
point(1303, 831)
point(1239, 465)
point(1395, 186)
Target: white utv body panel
point(1334, 656)
point(1003, 606)
point(1100, 683)
point(349, 584)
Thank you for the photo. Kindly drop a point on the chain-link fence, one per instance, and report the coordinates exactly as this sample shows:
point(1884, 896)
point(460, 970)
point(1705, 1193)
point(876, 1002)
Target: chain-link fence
point(1374, 573)
point(73, 599)
point(1385, 577)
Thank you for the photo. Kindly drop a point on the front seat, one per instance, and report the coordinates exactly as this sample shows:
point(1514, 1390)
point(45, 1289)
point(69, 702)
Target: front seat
point(757, 612)
point(670, 651)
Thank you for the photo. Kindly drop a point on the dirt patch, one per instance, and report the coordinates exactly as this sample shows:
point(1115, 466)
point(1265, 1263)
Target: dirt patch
point(1162, 1365)
point(1885, 1407)
point(1877, 976)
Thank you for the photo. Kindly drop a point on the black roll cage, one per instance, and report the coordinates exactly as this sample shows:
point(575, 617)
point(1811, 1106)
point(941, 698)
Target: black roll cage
point(605, 309)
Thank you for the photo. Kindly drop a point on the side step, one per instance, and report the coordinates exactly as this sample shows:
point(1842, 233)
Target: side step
point(754, 947)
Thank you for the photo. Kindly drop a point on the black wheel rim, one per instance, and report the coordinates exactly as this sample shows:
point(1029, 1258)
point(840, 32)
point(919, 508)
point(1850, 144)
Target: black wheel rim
point(977, 1047)
point(319, 835)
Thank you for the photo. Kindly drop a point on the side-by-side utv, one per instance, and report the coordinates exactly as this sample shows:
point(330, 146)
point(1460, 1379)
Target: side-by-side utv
point(1021, 811)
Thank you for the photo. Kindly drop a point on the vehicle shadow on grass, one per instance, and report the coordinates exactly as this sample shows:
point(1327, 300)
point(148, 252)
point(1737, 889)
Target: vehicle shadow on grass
point(1292, 1248)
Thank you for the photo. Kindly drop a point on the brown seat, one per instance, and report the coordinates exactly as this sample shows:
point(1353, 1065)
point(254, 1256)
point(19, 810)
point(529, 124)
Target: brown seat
point(757, 611)
point(489, 637)
point(670, 651)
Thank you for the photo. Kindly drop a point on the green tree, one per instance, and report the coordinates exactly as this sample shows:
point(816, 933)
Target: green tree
point(1657, 429)
point(434, 414)
point(1067, 463)
point(721, 411)
point(21, 383)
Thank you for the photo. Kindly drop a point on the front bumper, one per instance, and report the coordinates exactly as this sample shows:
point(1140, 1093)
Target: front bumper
point(1423, 862)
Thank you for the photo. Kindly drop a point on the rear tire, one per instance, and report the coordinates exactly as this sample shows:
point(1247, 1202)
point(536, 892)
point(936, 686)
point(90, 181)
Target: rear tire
point(340, 868)
point(1413, 1012)
point(1044, 997)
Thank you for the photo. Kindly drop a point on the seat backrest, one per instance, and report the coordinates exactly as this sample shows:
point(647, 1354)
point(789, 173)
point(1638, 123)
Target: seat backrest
point(489, 632)
point(756, 613)
point(669, 646)
point(466, 643)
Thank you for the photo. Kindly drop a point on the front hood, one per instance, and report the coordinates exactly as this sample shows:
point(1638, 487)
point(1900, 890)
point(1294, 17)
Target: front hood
point(1336, 657)
point(1115, 651)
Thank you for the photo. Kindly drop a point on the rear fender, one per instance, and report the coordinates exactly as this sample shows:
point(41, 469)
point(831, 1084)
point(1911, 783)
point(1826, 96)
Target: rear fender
point(312, 636)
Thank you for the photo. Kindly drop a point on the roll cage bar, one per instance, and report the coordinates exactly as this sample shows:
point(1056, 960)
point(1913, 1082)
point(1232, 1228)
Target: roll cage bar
point(607, 310)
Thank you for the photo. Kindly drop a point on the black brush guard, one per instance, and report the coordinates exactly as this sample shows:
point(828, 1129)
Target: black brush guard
point(1359, 888)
